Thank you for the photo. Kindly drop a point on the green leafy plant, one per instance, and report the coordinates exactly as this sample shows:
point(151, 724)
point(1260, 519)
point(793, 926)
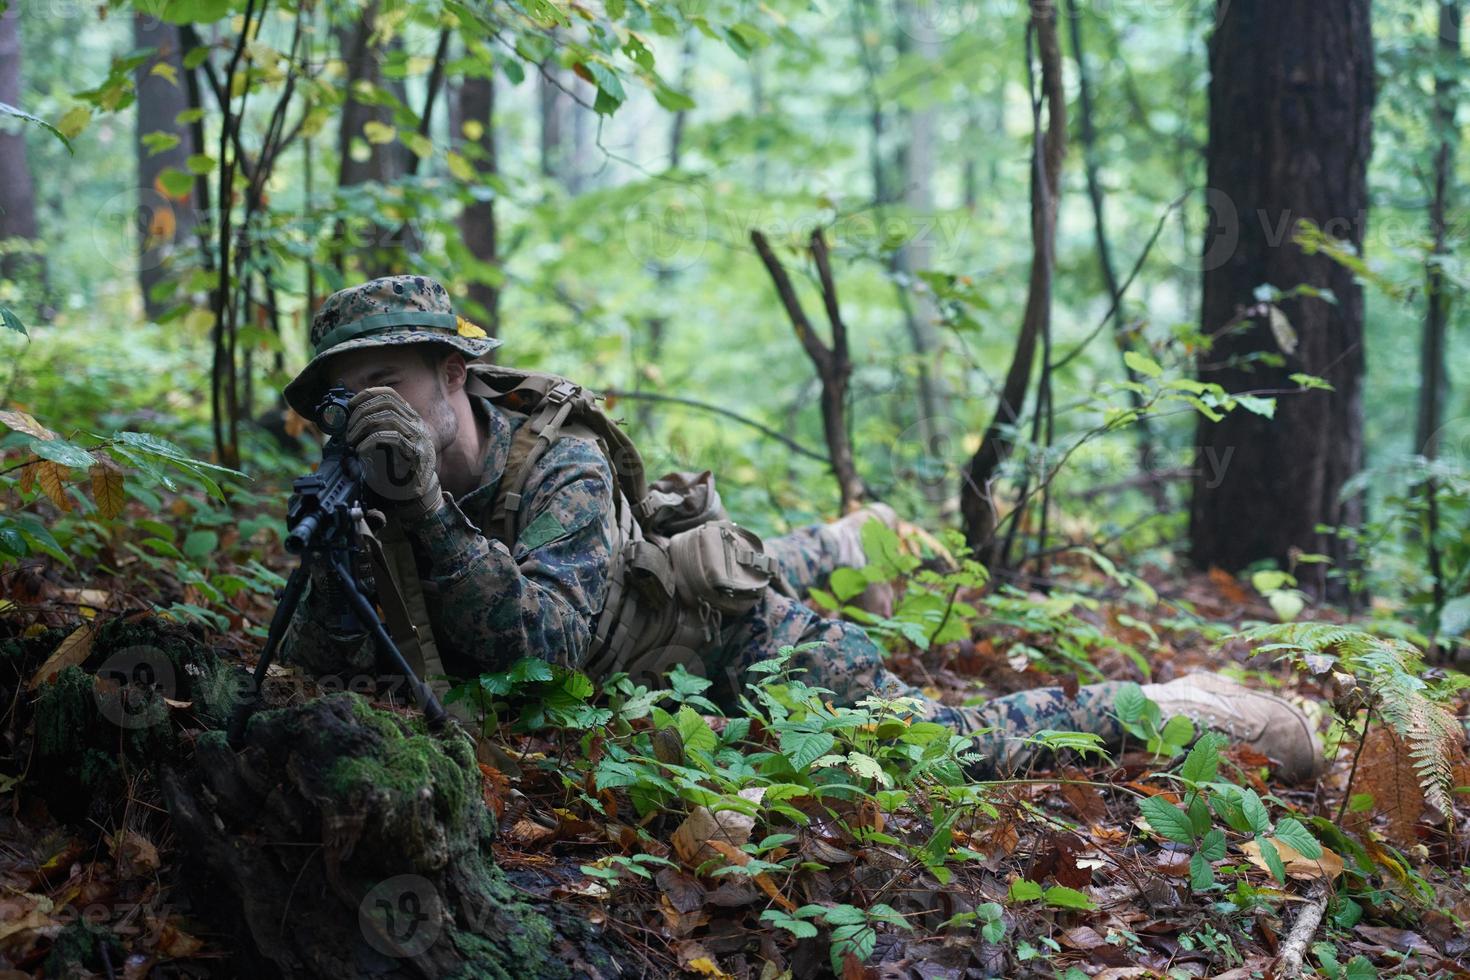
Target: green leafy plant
point(927, 612)
point(854, 931)
point(1206, 798)
point(1357, 968)
point(1055, 896)
point(44, 471)
point(1142, 719)
point(1280, 590)
point(989, 916)
point(541, 695)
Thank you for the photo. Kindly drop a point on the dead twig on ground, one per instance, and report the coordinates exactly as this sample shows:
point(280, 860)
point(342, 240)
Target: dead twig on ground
point(1294, 950)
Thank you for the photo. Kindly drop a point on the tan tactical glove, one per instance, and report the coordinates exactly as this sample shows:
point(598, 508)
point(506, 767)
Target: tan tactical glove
point(397, 452)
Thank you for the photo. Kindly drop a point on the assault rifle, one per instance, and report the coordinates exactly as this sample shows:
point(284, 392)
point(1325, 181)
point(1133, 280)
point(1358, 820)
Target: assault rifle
point(327, 525)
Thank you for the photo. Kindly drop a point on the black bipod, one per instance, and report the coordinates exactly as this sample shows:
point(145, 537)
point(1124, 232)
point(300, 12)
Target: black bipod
point(362, 608)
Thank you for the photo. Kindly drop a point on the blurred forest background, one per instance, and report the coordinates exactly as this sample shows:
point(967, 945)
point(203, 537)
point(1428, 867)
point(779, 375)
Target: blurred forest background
point(588, 181)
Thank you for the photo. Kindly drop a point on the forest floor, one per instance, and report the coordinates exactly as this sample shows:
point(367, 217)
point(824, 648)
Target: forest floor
point(93, 883)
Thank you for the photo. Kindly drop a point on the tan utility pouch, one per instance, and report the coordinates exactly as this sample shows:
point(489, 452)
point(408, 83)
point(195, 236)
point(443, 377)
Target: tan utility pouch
point(679, 501)
point(720, 565)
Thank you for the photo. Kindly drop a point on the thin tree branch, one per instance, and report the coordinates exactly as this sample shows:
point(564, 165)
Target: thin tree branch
point(760, 427)
point(829, 295)
point(1049, 146)
point(834, 368)
point(436, 82)
point(813, 345)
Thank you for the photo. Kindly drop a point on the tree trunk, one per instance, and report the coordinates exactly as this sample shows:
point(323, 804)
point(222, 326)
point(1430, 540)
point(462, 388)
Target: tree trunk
point(1435, 363)
point(551, 97)
point(165, 221)
point(917, 255)
point(477, 221)
point(977, 500)
point(385, 161)
point(17, 190)
point(1434, 379)
point(1122, 339)
point(1291, 98)
point(382, 163)
point(758, 104)
point(579, 164)
point(664, 275)
point(681, 116)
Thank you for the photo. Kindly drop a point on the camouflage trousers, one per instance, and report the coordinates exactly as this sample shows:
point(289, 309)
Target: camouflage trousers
point(850, 664)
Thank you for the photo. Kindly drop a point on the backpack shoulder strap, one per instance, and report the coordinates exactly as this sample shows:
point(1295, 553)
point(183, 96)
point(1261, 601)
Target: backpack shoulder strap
point(551, 403)
point(530, 442)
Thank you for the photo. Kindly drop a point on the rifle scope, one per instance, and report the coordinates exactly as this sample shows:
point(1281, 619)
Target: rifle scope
point(334, 487)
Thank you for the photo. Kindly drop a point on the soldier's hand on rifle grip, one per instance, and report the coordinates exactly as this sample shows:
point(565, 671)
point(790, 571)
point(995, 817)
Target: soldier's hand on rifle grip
point(397, 451)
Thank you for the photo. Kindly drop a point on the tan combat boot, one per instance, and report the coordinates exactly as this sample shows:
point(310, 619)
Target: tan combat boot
point(845, 538)
point(1271, 725)
point(846, 534)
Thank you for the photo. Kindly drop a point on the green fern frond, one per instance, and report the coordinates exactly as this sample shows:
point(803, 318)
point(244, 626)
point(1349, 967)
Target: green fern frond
point(1392, 672)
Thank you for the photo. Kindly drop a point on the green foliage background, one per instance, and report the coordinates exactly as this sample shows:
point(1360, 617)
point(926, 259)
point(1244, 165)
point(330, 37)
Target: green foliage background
point(778, 136)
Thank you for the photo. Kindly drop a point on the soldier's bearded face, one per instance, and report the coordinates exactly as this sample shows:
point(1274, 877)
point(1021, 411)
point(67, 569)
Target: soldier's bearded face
point(403, 370)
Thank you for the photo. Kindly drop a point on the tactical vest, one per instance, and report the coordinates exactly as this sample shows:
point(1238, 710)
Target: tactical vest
point(678, 564)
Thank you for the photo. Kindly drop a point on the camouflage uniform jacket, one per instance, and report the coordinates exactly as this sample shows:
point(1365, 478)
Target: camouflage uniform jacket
point(491, 605)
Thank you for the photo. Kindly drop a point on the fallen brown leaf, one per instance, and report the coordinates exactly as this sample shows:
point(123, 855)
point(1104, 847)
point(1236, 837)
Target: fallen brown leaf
point(1083, 938)
point(678, 923)
point(694, 958)
point(1399, 940)
point(1328, 866)
point(703, 827)
point(174, 942)
point(1172, 863)
point(135, 854)
point(682, 891)
point(494, 788)
point(24, 913)
point(69, 653)
point(1086, 801)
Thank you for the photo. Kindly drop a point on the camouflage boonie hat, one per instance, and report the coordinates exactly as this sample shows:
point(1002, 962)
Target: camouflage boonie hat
point(385, 312)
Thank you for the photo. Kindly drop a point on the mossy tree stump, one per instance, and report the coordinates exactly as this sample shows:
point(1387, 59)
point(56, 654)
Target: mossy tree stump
point(354, 846)
point(336, 841)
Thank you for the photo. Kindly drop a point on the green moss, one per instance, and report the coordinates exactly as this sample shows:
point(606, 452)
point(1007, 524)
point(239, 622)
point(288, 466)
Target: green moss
point(214, 739)
point(485, 959)
point(65, 711)
point(26, 654)
point(403, 767)
point(523, 938)
point(76, 744)
point(81, 726)
point(389, 726)
point(404, 764)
